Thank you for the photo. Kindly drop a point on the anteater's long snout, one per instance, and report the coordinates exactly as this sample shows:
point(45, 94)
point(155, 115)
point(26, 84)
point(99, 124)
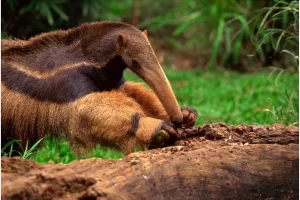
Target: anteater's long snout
point(159, 83)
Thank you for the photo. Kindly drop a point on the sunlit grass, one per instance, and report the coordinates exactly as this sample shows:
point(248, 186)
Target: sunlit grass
point(234, 98)
point(59, 150)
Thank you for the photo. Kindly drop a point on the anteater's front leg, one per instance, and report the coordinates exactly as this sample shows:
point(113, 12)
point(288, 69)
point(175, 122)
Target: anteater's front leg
point(152, 106)
point(146, 98)
point(115, 120)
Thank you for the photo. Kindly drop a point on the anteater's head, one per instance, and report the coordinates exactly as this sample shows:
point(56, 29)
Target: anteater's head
point(137, 53)
point(111, 39)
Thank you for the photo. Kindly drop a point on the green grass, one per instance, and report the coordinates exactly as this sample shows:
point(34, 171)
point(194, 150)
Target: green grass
point(219, 96)
point(60, 151)
point(234, 98)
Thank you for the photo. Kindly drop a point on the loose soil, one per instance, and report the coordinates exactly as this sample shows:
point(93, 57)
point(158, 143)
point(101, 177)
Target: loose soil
point(206, 162)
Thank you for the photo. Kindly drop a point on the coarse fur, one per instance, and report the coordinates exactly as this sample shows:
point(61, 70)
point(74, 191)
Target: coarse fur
point(71, 83)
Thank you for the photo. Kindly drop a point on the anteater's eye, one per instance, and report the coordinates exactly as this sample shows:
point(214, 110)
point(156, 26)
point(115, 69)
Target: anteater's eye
point(135, 64)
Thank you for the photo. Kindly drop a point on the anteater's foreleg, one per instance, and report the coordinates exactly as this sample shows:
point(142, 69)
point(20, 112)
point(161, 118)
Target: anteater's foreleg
point(149, 102)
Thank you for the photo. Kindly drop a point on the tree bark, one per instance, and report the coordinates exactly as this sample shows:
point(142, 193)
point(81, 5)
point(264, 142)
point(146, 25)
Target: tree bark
point(237, 162)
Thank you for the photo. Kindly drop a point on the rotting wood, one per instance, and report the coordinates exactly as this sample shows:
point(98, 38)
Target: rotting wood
point(231, 167)
point(252, 134)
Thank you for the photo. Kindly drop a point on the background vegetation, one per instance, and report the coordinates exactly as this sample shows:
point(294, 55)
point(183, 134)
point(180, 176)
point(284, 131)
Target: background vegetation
point(240, 35)
point(234, 61)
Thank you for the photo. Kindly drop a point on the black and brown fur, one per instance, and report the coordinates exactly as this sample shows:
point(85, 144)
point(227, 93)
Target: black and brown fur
point(71, 82)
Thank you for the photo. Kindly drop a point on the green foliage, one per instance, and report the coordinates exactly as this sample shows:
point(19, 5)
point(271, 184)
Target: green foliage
point(286, 111)
point(54, 150)
point(59, 150)
point(225, 29)
point(23, 18)
point(206, 25)
point(9, 145)
point(286, 108)
point(46, 9)
point(279, 30)
point(27, 153)
point(229, 33)
point(24, 153)
point(105, 153)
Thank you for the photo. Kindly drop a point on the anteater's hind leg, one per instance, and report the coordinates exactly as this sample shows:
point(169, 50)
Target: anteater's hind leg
point(112, 119)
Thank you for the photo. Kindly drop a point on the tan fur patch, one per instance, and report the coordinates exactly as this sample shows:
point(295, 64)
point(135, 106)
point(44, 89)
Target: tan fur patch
point(45, 75)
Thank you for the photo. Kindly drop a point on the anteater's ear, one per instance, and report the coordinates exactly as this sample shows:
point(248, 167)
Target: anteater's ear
point(145, 32)
point(122, 41)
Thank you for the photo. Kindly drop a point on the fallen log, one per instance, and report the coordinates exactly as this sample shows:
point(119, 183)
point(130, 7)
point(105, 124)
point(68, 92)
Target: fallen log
point(238, 162)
